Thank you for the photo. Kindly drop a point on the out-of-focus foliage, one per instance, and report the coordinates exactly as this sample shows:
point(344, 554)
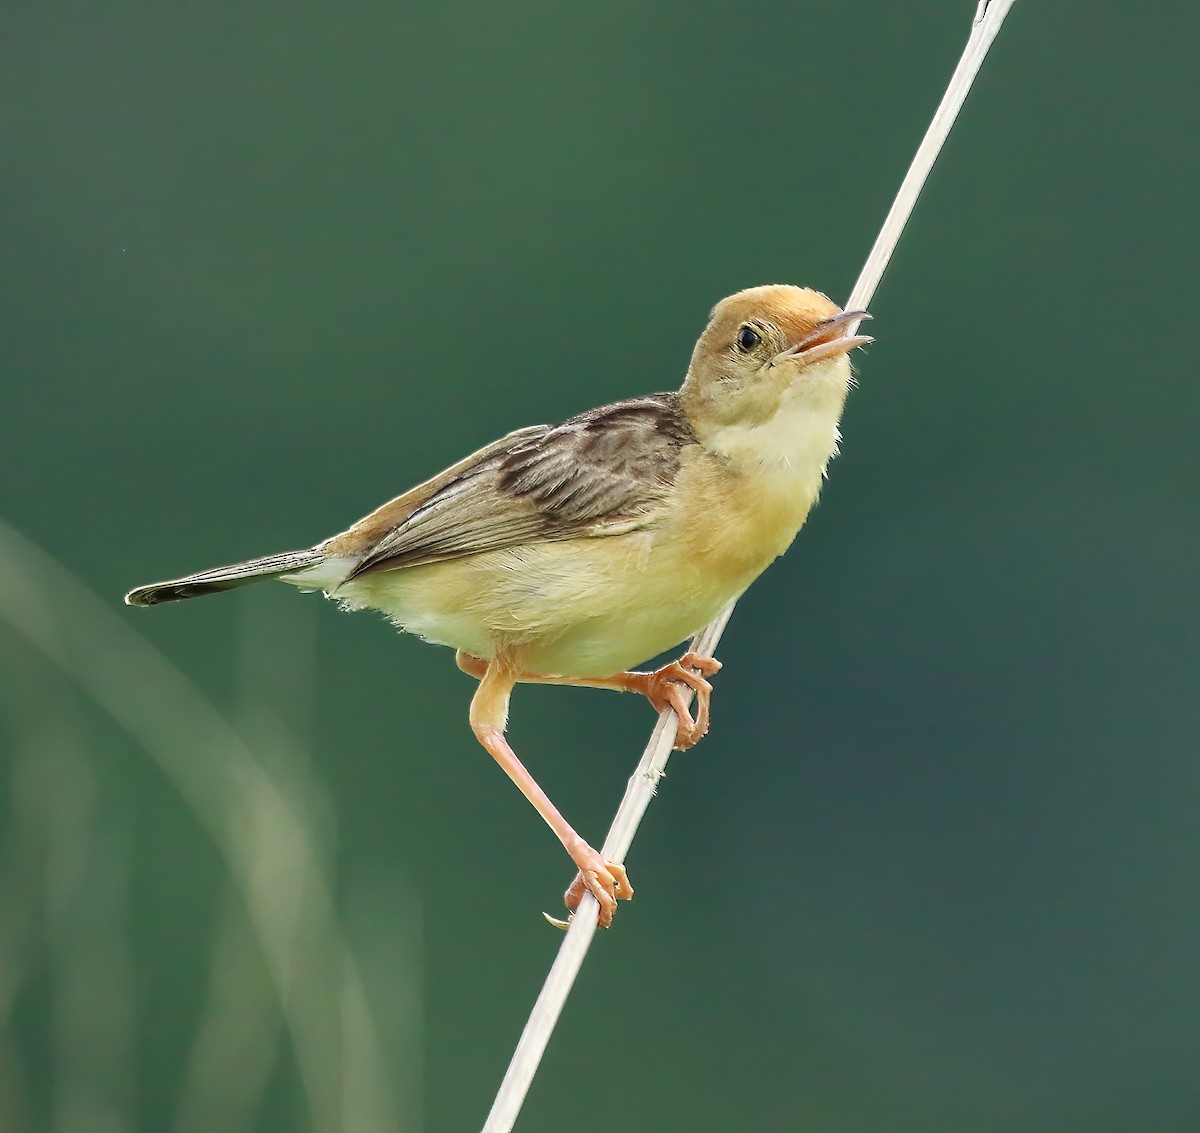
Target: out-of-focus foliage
point(935, 867)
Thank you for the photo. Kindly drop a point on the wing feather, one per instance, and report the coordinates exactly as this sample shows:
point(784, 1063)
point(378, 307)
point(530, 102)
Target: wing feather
point(601, 473)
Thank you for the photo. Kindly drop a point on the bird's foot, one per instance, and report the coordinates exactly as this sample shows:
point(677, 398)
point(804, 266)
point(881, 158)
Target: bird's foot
point(606, 881)
point(665, 688)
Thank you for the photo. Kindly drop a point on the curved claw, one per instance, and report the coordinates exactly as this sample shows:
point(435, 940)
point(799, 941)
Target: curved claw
point(606, 881)
point(561, 925)
point(707, 666)
point(664, 688)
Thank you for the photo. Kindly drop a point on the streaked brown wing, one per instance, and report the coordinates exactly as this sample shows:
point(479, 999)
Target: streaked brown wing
point(600, 473)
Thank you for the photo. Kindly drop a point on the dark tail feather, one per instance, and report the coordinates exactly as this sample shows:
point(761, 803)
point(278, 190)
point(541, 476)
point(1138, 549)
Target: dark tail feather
point(223, 578)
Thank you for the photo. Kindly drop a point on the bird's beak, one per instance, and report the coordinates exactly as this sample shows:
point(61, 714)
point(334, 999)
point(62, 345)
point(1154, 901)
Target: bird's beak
point(827, 341)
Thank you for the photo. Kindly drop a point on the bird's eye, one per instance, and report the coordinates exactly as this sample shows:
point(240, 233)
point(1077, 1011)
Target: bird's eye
point(748, 338)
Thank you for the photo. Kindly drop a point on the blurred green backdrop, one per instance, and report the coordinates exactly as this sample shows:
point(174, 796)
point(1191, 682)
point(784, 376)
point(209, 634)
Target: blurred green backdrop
point(937, 866)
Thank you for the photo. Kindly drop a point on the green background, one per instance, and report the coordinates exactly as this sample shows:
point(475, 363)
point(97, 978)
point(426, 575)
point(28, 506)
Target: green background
point(937, 867)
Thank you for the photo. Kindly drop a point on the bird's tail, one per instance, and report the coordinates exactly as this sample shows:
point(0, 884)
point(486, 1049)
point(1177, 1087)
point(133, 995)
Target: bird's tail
point(225, 578)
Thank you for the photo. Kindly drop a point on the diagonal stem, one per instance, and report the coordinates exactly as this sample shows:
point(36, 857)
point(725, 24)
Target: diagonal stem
point(989, 15)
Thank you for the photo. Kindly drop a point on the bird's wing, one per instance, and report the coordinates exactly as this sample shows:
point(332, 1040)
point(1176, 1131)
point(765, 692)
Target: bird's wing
point(601, 473)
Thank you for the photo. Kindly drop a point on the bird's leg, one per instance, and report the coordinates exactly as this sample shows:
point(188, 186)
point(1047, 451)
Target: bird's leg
point(606, 881)
point(664, 688)
point(470, 664)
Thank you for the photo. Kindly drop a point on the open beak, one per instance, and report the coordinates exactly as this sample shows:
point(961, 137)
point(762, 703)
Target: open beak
point(827, 341)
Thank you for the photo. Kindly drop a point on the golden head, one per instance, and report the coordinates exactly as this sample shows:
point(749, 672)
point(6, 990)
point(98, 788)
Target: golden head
point(766, 347)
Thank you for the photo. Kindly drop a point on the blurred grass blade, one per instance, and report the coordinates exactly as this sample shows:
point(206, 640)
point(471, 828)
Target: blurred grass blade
point(257, 819)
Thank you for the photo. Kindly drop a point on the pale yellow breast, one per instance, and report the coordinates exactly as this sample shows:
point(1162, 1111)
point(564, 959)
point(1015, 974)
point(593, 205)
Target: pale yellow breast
point(589, 607)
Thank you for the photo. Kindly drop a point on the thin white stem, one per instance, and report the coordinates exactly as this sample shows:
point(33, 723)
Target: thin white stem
point(989, 15)
point(988, 18)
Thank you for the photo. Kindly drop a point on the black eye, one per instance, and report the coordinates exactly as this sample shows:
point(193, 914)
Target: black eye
point(748, 338)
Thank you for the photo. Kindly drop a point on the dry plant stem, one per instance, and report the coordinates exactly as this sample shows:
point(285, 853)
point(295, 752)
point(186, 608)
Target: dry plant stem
point(548, 1006)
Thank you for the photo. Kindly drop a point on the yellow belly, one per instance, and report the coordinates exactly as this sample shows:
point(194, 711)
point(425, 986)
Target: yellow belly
point(590, 607)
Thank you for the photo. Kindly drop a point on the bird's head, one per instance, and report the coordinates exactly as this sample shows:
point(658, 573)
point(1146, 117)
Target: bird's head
point(768, 348)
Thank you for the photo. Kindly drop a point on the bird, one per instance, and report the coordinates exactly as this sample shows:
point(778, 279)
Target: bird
point(570, 553)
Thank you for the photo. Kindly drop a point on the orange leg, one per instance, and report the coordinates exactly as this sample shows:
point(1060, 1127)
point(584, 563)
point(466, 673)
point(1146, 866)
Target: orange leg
point(667, 688)
point(606, 881)
point(664, 688)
